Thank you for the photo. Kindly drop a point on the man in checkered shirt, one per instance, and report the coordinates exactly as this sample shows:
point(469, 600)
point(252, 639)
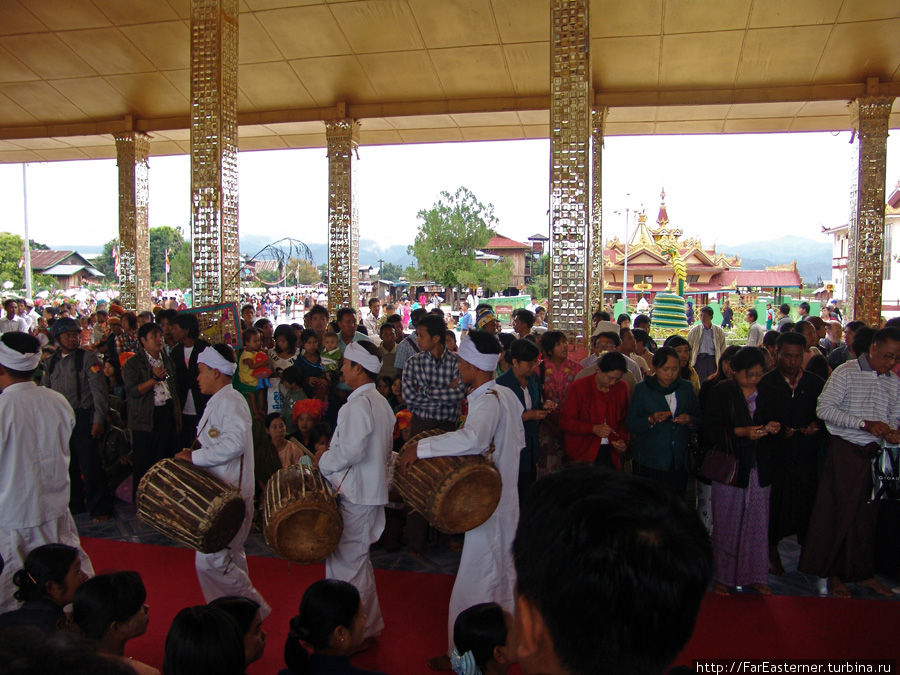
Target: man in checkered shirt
point(432, 389)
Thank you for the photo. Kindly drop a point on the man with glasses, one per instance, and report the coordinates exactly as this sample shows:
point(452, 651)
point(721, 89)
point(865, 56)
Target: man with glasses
point(860, 406)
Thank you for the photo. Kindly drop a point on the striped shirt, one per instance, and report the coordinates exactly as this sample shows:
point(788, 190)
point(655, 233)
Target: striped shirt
point(428, 389)
point(855, 393)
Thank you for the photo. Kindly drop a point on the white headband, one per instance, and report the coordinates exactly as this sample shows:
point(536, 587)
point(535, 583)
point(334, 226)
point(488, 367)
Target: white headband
point(210, 358)
point(469, 353)
point(359, 355)
point(15, 360)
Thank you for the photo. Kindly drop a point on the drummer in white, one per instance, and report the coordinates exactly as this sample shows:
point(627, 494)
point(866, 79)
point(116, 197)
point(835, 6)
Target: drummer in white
point(226, 452)
point(486, 571)
point(35, 426)
point(356, 463)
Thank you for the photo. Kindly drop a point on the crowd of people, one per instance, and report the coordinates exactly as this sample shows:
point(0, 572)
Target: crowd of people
point(626, 437)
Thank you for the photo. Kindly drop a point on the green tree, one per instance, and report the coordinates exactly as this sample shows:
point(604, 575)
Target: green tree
point(12, 247)
point(180, 266)
point(449, 234)
point(309, 273)
point(163, 239)
point(391, 272)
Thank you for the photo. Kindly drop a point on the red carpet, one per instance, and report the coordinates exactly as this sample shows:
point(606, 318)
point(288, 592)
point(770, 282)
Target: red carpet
point(415, 605)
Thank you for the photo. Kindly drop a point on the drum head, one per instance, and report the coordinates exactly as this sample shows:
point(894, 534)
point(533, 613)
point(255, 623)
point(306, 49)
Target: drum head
point(225, 525)
point(305, 533)
point(469, 501)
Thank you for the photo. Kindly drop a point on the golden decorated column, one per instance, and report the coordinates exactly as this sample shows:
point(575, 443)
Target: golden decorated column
point(214, 139)
point(132, 151)
point(570, 159)
point(595, 252)
point(342, 136)
point(866, 257)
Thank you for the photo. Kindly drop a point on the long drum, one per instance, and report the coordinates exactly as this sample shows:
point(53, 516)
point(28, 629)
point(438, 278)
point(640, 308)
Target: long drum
point(189, 505)
point(301, 520)
point(454, 494)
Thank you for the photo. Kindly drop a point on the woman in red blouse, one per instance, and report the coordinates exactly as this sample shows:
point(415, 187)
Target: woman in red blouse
point(593, 415)
point(557, 371)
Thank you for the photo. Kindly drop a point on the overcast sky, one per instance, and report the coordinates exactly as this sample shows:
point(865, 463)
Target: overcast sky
point(727, 189)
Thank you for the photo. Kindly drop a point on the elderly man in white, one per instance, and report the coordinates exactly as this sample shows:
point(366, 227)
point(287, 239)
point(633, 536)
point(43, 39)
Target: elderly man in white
point(35, 426)
point(486, 570)
point(356, 463)
point(226, 452)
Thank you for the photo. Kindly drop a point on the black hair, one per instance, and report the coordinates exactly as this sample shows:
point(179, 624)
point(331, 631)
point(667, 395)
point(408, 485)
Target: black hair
point(259, 323)
point(550, 339)
point(892, 323)
point(623, 317)
point(434, 325)
point(662, 355)
point(436, 311)
point(371, 300)
point(247, 332)
point(131, 318)
point(242, 610)
point(791, 339)
point(479, 629)
point(640, 320)
point(385, 378)
point(50, 562)
point(706, 309)
point(187, 322)
point(271, 417)
point(485, 343)
point(611, 335)
point(10, 300)
point(146, 329)
point(770, 338)
point(288, 334)
point(803, 326)
point(306, 334)
point(25, 650)
point(675, 341)
point(317, 309)
point(784, 308)
point(855, 325)
point(166, 314)
point(525, 316)
point(246, 307)
point(611, 361)
point(394, 318)
point(506, 340)
point(862, 340)
point(145, 315)
point(753, 314)
point(292, 375)
point(204, 641)
point(602, 315)
point(522, 350)
point(615, 564)
point(344, 311)
point(326, 605)
point(727, 356)
point(106, 599)
point(787, 327)
point(24, 344)
point(386, 324)
point(640, 335)
point(416, 315)
point(318, 432)
point(748, 357)
point(804, 305)
point(887, 333)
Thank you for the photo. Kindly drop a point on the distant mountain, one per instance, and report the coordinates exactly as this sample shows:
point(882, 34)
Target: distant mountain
point(369, 251)
point(813, 256)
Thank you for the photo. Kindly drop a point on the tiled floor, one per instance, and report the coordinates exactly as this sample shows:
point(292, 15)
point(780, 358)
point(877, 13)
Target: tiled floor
point(439, 556)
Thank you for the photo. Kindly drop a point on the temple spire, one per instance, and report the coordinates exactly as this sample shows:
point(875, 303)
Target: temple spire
point(663, 218)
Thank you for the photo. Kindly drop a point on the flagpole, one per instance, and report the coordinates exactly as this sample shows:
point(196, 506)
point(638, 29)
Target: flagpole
point(28, 280)
point(167, 270)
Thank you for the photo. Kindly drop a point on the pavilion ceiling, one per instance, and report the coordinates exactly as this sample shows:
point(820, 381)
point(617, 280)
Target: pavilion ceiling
point(74, 71)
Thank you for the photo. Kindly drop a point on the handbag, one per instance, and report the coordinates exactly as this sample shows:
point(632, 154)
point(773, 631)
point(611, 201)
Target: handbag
point(720, 464)
point(886, 474)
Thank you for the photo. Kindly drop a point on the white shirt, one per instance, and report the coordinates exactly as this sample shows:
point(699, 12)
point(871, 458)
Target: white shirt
point(35, 426)
point(371, 323)
point(14, 325)
point(226, 440)
point(359, 455)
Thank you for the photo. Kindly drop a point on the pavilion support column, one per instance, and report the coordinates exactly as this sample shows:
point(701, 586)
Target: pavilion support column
point(866, 257)
point(342, 136)
point(214, 146)
point(570, 165)
point(595, 253)
point(132, 151)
